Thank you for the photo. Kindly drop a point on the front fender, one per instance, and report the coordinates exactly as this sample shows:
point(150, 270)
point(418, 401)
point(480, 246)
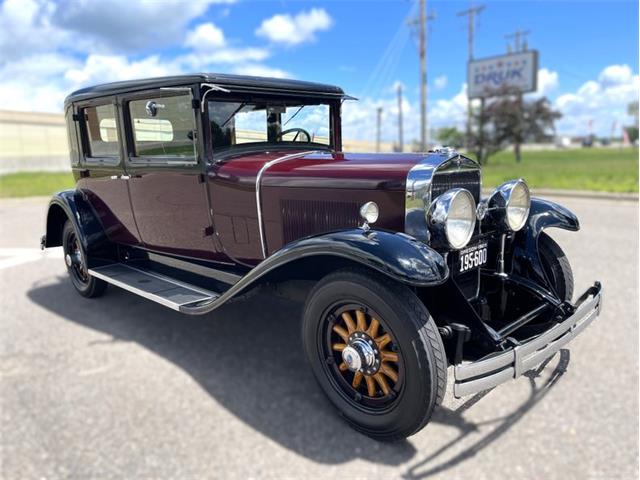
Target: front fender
point(543, 214)
point(71, 204)
point(396, 255)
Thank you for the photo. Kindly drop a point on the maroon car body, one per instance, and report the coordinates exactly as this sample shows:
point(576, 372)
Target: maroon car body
point(192, 190)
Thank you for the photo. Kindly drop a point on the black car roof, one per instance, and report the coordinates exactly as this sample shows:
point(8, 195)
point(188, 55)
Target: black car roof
point(240, 83)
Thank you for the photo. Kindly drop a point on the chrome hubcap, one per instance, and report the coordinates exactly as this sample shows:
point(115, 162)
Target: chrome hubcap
point(359, 355)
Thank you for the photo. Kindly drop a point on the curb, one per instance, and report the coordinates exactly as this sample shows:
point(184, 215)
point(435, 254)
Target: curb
point(629, 197)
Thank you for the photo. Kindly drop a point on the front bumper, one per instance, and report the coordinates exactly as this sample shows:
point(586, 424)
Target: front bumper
point(500, 367)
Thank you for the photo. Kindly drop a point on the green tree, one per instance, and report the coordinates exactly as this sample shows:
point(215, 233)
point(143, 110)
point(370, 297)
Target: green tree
point(508, 119)
point(450, 137)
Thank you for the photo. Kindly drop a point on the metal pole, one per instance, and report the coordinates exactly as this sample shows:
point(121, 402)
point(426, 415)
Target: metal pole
point(423, 77)
point(471, 14)
point(378, 129)
point(400, 133)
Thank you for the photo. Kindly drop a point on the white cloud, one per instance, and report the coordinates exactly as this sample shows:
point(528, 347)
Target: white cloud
point(615, 75)
point(602, 102)
point(204, 37)
point(293, 30)
point(25, 27)
point(112, 68)
point(547, 82)
point(440, 82)
point(261, 71)
point(49, 49)
point(200, 60)
point(126, 26)
point(451, 112)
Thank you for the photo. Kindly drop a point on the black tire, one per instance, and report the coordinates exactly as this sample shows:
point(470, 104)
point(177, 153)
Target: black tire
point(85, 284)
point(423, 371)
point(556, 266)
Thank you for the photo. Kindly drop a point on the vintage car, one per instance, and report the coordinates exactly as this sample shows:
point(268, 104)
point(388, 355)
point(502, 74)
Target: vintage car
point(192, 190)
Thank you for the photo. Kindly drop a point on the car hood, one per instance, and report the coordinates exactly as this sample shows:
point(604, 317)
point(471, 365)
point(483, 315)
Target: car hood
point(376, 171)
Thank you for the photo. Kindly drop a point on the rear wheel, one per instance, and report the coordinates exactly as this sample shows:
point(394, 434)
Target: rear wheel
point(76, 260)
point(556, 266)
point(375, 352)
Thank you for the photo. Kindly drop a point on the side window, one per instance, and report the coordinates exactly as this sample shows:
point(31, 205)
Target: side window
point(164, 127)
point(102, 134)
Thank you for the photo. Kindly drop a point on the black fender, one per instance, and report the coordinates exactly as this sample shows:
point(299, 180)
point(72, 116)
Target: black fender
point(543, 214)
point(73, 205)
point(396, 255)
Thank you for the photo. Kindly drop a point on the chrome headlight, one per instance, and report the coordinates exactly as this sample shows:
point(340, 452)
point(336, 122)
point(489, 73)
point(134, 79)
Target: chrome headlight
point(452, 218)
point(510, 204)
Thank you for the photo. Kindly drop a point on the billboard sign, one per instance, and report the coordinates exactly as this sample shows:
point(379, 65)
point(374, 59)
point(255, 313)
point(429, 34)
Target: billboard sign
point(486, 77)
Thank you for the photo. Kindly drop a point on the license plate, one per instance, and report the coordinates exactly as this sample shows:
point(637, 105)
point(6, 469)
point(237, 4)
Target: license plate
point(472, 257)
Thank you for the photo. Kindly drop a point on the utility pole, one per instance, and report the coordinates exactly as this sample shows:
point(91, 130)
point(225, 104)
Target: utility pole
point(519, 47)
point(379, 121)
point(421, 21)
point(471, 14)
point(400, 133)
point(517, 35)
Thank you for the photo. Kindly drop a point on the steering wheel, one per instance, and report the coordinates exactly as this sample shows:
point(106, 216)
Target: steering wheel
point(298, 132)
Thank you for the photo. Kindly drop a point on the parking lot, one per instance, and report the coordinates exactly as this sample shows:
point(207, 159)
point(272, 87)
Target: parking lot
point(121, 387)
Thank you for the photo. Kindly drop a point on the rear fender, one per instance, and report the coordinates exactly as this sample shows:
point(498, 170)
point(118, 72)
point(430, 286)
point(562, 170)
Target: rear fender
point(72, 205)
point(544, 214)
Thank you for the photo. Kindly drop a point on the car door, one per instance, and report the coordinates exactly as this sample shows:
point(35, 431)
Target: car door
point(102, 176)
point(167, 182)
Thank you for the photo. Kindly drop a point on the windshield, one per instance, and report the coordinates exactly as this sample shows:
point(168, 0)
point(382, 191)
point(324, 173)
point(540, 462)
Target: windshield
point(269, 122)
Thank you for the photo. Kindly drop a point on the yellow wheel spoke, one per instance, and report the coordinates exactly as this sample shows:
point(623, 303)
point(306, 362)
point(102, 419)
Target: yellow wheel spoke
point(389, 372)
point(348, 319)
point(342, 332)
point(362, 320)
point(389, 356)
point(339, 346)
point(373, 328)
point(357, 379)
point(371, 386)
point(384, 386)
point(383, 340)
point(343, 367)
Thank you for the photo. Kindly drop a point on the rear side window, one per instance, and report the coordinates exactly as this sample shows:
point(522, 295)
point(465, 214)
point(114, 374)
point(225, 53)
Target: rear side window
point(102, 134)
point(164, 127)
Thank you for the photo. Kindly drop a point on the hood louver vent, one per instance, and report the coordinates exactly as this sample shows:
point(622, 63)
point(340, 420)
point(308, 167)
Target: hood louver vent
point(302, 218)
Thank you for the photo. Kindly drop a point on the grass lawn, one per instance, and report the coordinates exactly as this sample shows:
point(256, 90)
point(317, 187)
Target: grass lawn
point(606, 170)
point(601, 169)
point(31, 184)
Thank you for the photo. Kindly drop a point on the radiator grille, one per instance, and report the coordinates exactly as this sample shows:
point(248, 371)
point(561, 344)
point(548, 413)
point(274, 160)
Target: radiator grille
point(469, 179)
point(301, 218)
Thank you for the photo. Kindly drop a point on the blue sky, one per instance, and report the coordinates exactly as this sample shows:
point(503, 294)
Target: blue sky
point(588, 51)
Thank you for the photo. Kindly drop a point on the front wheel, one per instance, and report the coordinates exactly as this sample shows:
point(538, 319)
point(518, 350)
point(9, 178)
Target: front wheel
point(556, 267)
point(376, 353)
point(76, 260)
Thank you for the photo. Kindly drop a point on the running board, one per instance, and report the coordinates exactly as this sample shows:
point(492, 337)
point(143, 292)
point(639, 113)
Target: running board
point(151, 285)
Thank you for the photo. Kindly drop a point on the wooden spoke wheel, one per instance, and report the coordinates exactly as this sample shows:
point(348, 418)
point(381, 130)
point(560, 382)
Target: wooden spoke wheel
point(363, 354)
point(375, 351)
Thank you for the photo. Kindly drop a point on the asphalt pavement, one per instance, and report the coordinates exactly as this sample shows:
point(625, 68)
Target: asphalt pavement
point(119, 387)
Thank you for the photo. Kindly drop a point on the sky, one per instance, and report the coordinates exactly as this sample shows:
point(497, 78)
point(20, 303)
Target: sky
point(588, 50)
